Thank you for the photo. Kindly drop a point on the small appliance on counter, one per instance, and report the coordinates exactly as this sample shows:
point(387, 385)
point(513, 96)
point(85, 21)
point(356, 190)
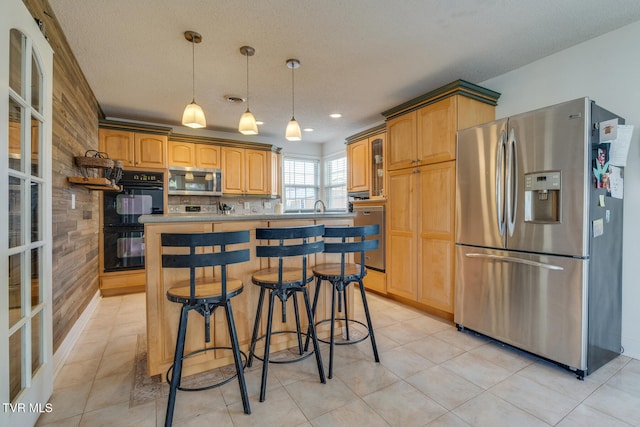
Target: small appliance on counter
point(224, 208)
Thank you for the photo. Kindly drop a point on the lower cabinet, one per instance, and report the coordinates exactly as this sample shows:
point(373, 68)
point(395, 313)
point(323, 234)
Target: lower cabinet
point(375, 281)
point(126, 282)
point(420, 238)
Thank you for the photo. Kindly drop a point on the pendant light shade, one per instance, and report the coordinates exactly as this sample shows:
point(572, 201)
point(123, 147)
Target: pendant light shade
point(247, 125)
point(193, 115)
point(293, 128)
point(293, 131)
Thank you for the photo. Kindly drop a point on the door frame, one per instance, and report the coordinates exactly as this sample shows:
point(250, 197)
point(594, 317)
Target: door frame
point(31, 401)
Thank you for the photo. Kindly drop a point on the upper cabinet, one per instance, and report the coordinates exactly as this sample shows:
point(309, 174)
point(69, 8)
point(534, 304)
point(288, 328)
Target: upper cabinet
point(181, 154)
point(358, 166)
point(190, 154)
point(423, 131)
point(207, 156)
point(247, 168)
point(248, 171)
point(365, 163)
point(134, 149)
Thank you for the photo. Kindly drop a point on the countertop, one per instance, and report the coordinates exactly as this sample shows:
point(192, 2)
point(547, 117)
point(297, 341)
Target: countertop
point(153, 219)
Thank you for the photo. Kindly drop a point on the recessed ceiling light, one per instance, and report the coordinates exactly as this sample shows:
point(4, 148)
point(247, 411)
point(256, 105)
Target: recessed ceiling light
point(335, 115)
point(308, 129)
point(258, 122)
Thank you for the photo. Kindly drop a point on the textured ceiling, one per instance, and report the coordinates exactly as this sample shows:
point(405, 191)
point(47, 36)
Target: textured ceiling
point(358, 57)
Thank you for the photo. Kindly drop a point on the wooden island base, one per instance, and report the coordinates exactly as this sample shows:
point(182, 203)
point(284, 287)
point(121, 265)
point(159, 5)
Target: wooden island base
point(163, 315)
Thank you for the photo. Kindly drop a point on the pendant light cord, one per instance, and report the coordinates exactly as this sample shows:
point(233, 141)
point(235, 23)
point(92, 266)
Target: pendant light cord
point(293, 97)
point(247, 55)
point(193, 68)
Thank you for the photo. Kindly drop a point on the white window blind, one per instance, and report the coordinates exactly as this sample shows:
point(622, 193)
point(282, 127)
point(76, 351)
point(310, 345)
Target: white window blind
point(301, 184)
point(335, 183)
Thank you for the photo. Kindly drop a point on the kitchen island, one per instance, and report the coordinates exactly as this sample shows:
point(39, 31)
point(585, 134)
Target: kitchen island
point(163, 315)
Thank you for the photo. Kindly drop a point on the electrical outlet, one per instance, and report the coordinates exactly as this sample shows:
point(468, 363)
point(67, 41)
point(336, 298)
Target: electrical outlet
point(73, 201)
point(247, 205)
point(267, 205)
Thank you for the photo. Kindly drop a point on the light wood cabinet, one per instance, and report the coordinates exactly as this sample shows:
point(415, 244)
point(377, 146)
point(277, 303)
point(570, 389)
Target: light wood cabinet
point(245, 171)
point(401, 146)
point(207, 156)
point(428, 135)
point(365, 163)
point(358, 166)
point(421, 234)
point(420, 154)
point(275, 174)
point(402, 248)
point(134, 149)
point(188, 154)
point(181, 154)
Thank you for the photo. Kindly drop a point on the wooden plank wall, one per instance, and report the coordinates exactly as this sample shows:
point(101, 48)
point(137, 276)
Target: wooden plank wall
point(75, 231)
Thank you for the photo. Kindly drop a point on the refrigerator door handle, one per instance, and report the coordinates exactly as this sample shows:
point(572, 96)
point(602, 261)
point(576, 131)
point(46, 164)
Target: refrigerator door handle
point(512, 181)
point(515, 260)
point(500, 205)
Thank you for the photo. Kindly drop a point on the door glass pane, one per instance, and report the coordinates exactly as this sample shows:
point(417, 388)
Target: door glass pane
point(15, 211)
point(36, 131)
point(36, 289)
point(15, 61)
point(36, 83)
point(15, 289)
point(15, 364)
point(35, 212)
point(15, 136)
point(36, 347)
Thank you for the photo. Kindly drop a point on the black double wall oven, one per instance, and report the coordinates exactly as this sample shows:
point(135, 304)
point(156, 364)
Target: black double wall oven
point(142, 194)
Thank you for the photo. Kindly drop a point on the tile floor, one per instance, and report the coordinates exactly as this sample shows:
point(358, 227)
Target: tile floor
point(430, 375)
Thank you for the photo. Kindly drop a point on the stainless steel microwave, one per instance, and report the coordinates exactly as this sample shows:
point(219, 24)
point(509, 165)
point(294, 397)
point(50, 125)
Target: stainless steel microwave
point(195, 181)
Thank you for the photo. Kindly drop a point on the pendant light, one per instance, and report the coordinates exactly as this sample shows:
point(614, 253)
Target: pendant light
point(247, 125)
point(193, 115)
point(293, 128)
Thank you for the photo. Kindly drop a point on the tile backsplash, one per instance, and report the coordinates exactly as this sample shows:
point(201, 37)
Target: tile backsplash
point(241, 205)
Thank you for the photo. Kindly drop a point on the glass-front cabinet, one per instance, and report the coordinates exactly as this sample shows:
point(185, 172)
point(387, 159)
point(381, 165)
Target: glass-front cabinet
point(376, 146)
point(366, 164)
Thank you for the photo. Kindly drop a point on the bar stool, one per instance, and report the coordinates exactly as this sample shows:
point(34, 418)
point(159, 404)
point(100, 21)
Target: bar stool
point(204, 296)
point(341, 275)
point(283, 282)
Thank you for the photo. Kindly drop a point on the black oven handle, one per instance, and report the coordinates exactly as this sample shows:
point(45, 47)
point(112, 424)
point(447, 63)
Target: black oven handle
point(119, 228)
point(138, 185)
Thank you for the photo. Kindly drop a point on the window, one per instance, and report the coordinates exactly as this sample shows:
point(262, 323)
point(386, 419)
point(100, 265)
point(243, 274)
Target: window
point(335, 183)
point(301, 184)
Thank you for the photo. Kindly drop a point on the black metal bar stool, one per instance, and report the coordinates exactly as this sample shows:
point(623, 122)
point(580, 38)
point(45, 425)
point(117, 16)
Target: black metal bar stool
point(204, 296)
point(283, 282)
point(340, 275)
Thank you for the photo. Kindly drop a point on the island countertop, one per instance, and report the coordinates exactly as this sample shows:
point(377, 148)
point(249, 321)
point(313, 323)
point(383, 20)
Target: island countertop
point(203, 217)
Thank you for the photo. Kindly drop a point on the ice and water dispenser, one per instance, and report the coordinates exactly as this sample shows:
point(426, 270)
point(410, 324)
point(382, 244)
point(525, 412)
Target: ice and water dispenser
point(542, 197)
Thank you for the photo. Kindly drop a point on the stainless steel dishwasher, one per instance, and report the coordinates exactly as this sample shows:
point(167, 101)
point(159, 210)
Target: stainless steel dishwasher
point(370, 215)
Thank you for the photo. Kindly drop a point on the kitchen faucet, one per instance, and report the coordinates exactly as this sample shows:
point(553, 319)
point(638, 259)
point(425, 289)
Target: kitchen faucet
point(323, 207)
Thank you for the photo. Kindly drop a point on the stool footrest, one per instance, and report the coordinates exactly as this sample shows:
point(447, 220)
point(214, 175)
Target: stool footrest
point(293, 360)
point(208, 387)
point(349, 342)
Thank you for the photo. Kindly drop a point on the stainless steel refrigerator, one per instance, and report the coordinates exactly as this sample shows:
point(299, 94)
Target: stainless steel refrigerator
point(539, 235)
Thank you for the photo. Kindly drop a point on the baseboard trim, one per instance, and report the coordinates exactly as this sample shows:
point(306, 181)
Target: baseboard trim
point(61, 355)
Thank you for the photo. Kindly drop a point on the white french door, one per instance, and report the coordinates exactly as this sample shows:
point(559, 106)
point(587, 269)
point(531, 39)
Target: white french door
point(26, 79)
